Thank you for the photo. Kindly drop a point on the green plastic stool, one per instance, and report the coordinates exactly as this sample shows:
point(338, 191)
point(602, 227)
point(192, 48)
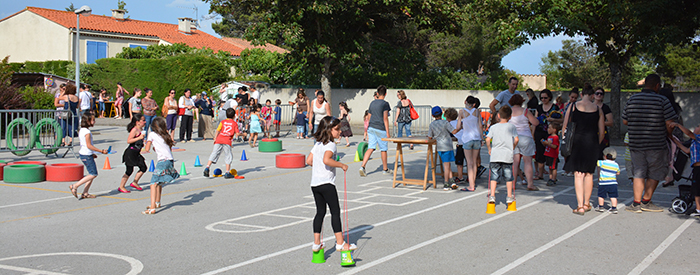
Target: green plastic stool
point(270, 146)
point(24, 173)
point(319, 257)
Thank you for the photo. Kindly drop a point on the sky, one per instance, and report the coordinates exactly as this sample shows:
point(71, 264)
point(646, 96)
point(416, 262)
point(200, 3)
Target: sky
point(524, 60)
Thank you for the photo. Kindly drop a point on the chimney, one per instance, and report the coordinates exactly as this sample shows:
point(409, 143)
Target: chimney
point(118, 14)
point(185, 25)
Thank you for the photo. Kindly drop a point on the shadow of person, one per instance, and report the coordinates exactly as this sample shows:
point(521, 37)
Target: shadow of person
point(354, 235)
point(189, 200)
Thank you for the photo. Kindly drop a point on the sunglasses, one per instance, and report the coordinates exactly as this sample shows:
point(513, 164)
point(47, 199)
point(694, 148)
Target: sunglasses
point(172, 93)
point(598, 93)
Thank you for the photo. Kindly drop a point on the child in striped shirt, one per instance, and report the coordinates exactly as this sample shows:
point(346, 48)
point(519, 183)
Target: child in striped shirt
point(607, 181)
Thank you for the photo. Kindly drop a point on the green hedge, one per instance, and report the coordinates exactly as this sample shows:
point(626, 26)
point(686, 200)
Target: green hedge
point(196, 72)
point(55, 67)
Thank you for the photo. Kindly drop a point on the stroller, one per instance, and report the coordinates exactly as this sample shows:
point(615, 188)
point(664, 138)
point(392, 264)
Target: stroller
point(685, 202)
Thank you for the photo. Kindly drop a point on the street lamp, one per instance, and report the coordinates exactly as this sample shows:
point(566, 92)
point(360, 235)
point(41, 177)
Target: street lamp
point(84, 10)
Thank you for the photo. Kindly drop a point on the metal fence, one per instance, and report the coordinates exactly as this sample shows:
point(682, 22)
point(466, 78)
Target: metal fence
point(24, 131)
point(286, 124)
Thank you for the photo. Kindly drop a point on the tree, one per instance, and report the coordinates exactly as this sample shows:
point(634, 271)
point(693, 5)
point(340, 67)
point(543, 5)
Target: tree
point(618, 30)
point(680, 66)
point(322, 33)
point(121, 5)
point(71, 7)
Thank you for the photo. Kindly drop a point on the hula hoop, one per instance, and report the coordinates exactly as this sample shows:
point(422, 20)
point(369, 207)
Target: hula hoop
point(58, 133)
point(8, 136)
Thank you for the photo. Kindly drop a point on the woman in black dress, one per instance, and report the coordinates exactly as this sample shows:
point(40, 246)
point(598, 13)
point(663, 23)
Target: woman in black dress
point(589, 132)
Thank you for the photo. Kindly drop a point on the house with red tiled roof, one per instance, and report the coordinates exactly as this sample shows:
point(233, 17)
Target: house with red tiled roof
point(245, 44)
point(39, 34)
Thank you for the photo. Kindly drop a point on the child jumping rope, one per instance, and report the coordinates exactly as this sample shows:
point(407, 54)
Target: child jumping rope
point(132, 155)
point(323, 182)
point(87, 156)
point(165, 171)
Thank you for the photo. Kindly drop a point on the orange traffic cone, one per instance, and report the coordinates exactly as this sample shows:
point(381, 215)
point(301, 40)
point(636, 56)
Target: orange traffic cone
point(107, 166)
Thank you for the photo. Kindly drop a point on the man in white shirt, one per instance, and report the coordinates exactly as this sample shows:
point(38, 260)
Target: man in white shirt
point(85, 99)
point(255, 95)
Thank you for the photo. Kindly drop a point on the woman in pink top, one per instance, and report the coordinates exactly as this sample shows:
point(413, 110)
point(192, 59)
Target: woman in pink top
point(522, 119)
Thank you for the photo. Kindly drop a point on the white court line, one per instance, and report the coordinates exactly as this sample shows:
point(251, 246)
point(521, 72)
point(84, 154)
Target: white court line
point(359, 229)
point(448, 235)
point(556, 241)
point(29, 270)
point(660, 249)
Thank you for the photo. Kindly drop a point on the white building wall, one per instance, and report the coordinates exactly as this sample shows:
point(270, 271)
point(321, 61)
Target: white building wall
point(115, 43)
point(30, 37)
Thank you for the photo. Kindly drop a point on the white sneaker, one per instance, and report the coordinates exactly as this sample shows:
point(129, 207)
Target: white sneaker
point(387, 172)
point(339, 247)
point(363, 173)
point(317, 247)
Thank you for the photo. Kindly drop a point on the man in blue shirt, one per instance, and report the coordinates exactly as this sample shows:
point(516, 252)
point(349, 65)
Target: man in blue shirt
point(504, 96)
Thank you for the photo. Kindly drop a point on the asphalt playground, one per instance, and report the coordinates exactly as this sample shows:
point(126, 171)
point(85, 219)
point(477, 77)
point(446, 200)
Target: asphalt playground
point(262, 224)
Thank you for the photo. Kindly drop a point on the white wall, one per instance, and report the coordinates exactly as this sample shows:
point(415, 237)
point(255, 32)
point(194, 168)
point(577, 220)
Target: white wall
point(30, 37)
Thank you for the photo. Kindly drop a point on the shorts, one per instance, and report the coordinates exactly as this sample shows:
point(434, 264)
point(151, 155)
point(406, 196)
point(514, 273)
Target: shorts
point(171, 121)
point(526, 146)
point(695, 183)
point(459, 155)
point(551, 162)
point(472, 145)
point(276, 122)
point(102, 106)
point(608, 189)
point(89, 163)
point(375, 138)
point(119, 101)
point(300, 129)
point(447, 156)
point(216, 152)
point(650, 164)
point(501, 171)
point(630, 169)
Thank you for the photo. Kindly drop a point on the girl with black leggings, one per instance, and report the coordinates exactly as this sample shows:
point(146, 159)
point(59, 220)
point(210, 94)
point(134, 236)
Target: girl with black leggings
point(132, 154)
point(323, 182)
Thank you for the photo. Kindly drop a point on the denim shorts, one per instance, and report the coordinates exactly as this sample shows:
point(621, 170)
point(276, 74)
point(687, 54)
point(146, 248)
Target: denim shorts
point(501, 171)
point(89, 162)
point(607, 189)
point(300, 129)
point(375, 138)
point(472, 145)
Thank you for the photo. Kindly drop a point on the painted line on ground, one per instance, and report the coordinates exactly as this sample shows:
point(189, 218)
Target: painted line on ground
point(359, 229)
point(450, 234)
point(29, 270)
point(556, 241)
point(660, 249)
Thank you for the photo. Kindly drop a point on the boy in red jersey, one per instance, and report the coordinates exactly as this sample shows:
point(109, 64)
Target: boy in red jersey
point(224, 134)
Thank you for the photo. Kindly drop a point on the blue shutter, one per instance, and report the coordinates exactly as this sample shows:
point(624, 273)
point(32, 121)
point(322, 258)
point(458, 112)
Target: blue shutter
point(137, 46)
point(96, 50)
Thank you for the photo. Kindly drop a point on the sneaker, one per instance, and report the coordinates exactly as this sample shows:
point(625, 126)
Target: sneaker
point(206, 172)
point(183, 141)
point(509, 200)
point(600, 208)
point(363, 173)
point(453, 184)
point(612, 210)
point(695, 214)
point(492, 199)
point(651, 207)
point(228, 175)
point(635, 209)
point(446, 187)
point(551, 182)
point(387, 172)
point(480, 171)
point(458, 180)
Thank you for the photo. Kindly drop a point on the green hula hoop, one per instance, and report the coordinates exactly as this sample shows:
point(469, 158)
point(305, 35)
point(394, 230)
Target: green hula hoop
point(58, 133)
point(8, 136)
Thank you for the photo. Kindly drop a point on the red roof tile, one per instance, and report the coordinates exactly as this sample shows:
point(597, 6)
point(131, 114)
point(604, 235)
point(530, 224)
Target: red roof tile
point(244, 44)
point(164, 31)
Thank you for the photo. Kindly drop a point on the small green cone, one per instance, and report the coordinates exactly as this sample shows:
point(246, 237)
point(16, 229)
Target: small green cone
point(346, 258)
point(319, 257)
point(183, 172)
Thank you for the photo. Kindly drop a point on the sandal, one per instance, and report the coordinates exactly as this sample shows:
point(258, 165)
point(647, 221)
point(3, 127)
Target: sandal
point(87, 196)
point(157, 204)
point(578, 212)
point(534, 188)
point(587, 207)
point(73, 191)
point(317, 247)
point(340, 247)
point(149, 211)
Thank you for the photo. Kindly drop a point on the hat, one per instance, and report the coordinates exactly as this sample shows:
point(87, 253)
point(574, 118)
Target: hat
point(204, 93)
point(610, 153)
point(436, 111)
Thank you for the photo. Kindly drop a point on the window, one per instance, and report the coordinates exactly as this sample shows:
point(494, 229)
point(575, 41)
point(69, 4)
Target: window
point(137, 46)
point(96, 50)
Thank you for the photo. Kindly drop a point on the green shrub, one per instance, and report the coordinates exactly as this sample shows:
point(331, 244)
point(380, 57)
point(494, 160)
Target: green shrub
point(37, 97)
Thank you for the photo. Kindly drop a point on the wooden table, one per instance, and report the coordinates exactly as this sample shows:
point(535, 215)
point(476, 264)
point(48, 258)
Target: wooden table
point(429, 161)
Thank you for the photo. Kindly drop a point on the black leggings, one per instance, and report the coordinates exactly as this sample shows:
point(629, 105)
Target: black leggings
point(130, 168)
point(326, 194)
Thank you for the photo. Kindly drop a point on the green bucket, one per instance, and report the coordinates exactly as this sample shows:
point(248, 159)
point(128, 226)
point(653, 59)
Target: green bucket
point(319, 257)
point(346, 258)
